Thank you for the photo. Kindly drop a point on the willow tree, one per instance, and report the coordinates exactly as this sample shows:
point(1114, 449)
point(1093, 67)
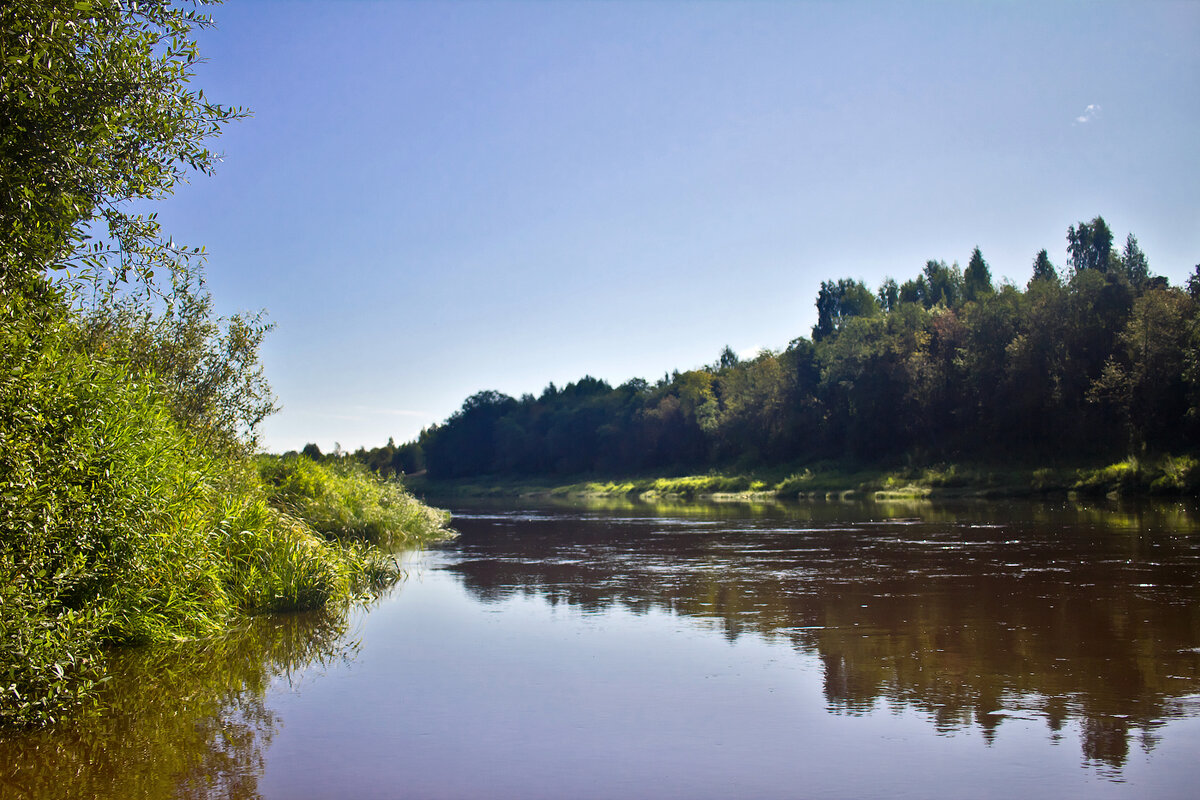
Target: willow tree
point(106, 495)
point(96, 112)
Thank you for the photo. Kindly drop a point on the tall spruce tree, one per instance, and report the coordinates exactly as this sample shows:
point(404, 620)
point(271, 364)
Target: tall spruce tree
point(977, 278)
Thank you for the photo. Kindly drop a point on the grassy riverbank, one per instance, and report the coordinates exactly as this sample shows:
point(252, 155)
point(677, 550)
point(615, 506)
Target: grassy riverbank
point(184, 554)
point(1160, 476)
point(132, 509)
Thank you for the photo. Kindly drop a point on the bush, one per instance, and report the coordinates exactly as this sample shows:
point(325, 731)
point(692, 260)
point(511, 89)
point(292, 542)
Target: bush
point(130, 510)
point(120, 523)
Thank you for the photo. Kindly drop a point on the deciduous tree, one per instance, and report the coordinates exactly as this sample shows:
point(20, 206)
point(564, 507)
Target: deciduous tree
point(96, 111)
point(1090, 245)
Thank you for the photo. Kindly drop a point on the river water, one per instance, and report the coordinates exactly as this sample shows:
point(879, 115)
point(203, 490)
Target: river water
point(626, 650)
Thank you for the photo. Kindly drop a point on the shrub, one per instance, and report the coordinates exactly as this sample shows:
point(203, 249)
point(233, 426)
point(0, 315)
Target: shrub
point(120, 523)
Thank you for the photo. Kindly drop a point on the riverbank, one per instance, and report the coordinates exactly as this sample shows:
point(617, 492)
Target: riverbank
point(1159, 476)
point(252, 536)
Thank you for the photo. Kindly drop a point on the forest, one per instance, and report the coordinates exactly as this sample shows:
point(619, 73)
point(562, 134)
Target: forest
point(1097, 360)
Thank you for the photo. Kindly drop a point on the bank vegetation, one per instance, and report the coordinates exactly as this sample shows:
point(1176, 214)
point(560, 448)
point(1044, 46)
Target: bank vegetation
point(1086, 378)
point(133, 506)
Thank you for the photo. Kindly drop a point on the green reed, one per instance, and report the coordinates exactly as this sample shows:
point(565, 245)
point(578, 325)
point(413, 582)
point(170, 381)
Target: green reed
point(119, 524)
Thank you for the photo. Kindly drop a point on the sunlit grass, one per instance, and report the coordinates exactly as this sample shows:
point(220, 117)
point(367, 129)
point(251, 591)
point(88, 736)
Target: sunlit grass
point(121, 527)
point(1163, 475)
point(1166, 474)
point(343, 500)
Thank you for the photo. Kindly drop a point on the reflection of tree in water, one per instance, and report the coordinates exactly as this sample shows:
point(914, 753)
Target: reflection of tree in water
point(1087, 623)
point(188, 721)
point(963, 666)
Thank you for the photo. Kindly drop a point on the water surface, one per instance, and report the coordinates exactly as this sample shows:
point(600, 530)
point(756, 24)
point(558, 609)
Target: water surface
point(820, 650)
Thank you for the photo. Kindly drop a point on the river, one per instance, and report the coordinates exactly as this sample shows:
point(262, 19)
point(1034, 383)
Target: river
point(627, 650)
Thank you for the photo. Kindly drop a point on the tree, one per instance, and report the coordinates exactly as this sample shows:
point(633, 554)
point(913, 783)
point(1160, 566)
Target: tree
point(943, 284)
point(95, 112)
point(1043, 270)
point(206, 366)
point(889, 294)
point(914, 291)
point(466, 443)
point(408, 459)
point(1137, 268)
point(841, 300)
point(864, 381)
point(977, 279)
point(1090, 245)
point(1144, 380)
point(1031, 403)
point(753, 412)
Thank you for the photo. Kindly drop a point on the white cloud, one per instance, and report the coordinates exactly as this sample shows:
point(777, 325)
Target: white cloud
point(1089, 114)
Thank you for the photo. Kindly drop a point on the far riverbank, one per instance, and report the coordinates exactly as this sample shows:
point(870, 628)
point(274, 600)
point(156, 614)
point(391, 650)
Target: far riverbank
point(1164, 476)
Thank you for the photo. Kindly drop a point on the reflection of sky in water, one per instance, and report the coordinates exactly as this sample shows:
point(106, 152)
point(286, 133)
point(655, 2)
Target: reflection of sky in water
point(527, 697)
point(826, 652)
point(765, 657)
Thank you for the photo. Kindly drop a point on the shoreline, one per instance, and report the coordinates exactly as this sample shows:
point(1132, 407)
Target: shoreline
point(1165, 477)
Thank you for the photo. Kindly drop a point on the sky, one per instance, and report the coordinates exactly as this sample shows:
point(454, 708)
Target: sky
point(434, 199)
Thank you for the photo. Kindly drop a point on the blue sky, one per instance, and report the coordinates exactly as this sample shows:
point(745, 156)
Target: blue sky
point(431, 199)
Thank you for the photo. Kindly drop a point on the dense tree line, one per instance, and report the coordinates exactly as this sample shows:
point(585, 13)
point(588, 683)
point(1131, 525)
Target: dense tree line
point(1098, 359)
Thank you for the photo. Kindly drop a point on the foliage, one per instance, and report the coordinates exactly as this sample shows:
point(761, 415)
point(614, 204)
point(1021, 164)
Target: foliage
point(945, 366)
point(105, 521)
point(1090, 246)
point(96, 112)
point(207, 366)
point(343, 500)
point(130, 510)
point(838, 301)
point(1043, 270)
point(977, 277)
point(121, 524)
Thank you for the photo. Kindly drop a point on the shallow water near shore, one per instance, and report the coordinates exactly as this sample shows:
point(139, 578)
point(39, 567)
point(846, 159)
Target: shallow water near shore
point(692, 650)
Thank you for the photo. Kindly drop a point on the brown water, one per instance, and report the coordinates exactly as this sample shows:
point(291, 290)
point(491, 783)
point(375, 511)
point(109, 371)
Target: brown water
point(822, 650)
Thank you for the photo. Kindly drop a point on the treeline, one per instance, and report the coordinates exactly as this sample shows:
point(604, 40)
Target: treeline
point(389, 461)
point(1099, 359)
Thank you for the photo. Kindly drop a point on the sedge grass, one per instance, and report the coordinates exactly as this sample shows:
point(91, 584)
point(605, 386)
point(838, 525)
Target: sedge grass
point(119, 526)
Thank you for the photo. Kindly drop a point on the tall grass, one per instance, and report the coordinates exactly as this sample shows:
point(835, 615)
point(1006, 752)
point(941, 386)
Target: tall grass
point(344, 500)
point(118, 525)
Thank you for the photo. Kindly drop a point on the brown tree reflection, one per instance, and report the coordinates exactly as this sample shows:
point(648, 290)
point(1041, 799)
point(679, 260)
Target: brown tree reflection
point(186, 721)
point(1061, 613)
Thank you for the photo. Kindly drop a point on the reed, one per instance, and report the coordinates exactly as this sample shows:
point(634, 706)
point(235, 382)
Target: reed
point(118, 525)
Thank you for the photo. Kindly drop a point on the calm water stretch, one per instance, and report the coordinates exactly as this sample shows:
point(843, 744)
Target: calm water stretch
point(692, 651)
